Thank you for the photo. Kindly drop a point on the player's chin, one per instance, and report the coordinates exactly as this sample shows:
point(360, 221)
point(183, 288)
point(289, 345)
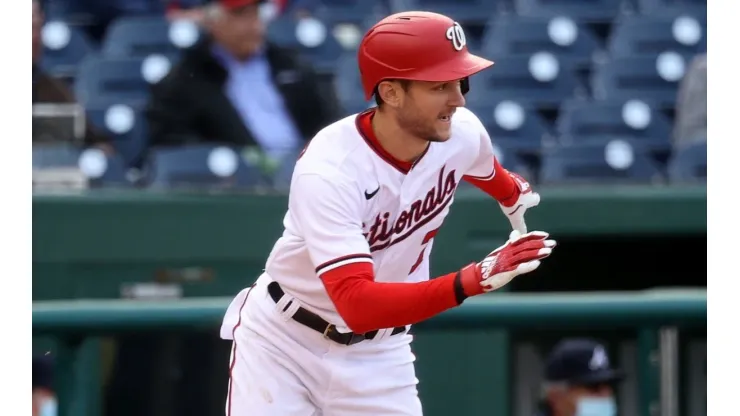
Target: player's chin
point(442, 132)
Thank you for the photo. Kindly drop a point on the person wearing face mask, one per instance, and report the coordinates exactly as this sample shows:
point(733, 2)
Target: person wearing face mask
point(579, 380)
point(44, 399)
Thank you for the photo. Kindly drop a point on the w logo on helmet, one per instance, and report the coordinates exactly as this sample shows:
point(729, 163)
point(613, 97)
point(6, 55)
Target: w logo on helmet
point(456, 35)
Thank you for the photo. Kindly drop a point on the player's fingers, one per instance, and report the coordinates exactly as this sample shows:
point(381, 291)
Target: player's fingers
point(534, 200)
point(525, 238)
point(518, 224)
point(531, 255)
point(527, 267)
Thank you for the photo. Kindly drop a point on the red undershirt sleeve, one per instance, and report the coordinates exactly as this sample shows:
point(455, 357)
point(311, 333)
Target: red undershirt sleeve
point(366, 305)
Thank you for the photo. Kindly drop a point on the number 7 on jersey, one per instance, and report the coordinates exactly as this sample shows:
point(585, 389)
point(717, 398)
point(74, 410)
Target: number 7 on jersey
point(427, 238)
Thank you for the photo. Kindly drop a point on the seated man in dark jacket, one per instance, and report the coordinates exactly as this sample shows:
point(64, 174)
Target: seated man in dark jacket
point(234, 88)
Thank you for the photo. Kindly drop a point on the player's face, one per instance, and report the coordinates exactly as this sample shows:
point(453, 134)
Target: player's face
point(240, 31)
point(427, 109)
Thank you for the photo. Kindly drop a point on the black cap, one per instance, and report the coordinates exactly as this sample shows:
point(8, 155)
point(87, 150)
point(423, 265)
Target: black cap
point(42, 372)
point(582, 362)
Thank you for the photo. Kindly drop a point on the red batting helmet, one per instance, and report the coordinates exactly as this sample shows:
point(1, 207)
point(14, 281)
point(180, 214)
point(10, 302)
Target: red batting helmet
point(418, 46)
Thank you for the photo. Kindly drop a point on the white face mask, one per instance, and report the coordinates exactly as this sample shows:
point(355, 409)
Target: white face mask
point(596, 406)
point(48, 408)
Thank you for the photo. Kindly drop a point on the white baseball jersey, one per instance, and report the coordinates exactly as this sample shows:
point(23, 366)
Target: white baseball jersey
point(350, 202)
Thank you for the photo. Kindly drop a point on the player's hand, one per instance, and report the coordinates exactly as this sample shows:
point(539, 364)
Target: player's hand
point(515, 208)
point(521, 254)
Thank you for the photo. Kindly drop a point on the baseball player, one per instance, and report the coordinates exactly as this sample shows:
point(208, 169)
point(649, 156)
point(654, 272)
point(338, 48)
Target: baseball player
point(325, 329)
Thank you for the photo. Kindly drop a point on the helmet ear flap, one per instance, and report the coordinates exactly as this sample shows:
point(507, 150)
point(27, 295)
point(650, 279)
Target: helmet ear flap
point(465, 85)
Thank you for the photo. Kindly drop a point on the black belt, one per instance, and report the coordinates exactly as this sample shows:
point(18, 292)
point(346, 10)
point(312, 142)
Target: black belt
point(317, 323)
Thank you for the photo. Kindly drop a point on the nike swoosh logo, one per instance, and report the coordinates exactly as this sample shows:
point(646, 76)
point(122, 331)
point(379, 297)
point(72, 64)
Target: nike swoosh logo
point(370, 195)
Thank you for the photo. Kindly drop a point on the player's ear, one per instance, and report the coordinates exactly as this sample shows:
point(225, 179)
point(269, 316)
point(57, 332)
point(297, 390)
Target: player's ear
point(390, 92)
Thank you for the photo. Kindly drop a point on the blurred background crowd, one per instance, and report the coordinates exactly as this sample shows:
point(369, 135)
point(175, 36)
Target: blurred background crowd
point(224, 93)
point(221, 95)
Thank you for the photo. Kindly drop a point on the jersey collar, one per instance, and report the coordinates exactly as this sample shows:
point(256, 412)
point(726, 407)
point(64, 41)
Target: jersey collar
point(365, 128)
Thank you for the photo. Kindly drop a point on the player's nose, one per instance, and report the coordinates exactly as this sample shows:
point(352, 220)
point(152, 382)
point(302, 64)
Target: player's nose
point(457, 99)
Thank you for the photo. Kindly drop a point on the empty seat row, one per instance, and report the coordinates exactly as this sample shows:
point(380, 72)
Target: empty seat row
point(214, 166)
point(512, 123)
point(323, 39)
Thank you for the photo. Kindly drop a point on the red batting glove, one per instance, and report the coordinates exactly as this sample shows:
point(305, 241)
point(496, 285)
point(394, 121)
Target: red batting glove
point(520, 255)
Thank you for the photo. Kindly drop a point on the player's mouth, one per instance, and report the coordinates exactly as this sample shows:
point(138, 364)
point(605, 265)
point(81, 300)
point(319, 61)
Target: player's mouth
point(445, 118)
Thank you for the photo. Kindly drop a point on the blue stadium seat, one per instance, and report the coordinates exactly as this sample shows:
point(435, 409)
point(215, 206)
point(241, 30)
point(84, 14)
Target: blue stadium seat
point(55, 155)
point(573, 43)
point(581, 121)
point(512, 125)
point(126, 126)
point(509, 159)
point(100, 169)
point(596, 11)
point(350, 10)
point(141, 36)
point(616, 161)
point(310, 37)
point(65, 47)
point(195, 166)
point(689, 164)
point(646, 35)
point(348, 84)
point(540, 80)
point(652, 79)
point(467, 12)
point(103, 170)
point(281, 178)
point(671, 7)
point(102, 81)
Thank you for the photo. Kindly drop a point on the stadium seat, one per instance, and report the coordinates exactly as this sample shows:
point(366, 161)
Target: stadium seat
point(652, 79)
point(102, 81)
point(281, 178)
point(103, 170)
point(54, 155)
point(573, 43)
point(581, 121)
point(64, 48)
point(310, 37)
point(589, 11)
point(100, 169)
point(126, 126)
point(347, 82)
point(194, 166)
point(672, 7)
point(616, 161)
point(539, 80)
point(512, 125)
point(139, 37)
point(646, 35)
point(466, 12)
point(350, 10)
point(689, 164)
point(509, 159)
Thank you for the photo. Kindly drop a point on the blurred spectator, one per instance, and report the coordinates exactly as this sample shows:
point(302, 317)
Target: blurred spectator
point(579, 380)
point(235, 88)
point(44, 399)
point(48, 90)
point(691, 108)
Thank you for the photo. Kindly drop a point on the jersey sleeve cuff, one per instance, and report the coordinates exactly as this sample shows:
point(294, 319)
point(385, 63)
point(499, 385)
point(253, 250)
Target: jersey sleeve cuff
point(343, 261)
